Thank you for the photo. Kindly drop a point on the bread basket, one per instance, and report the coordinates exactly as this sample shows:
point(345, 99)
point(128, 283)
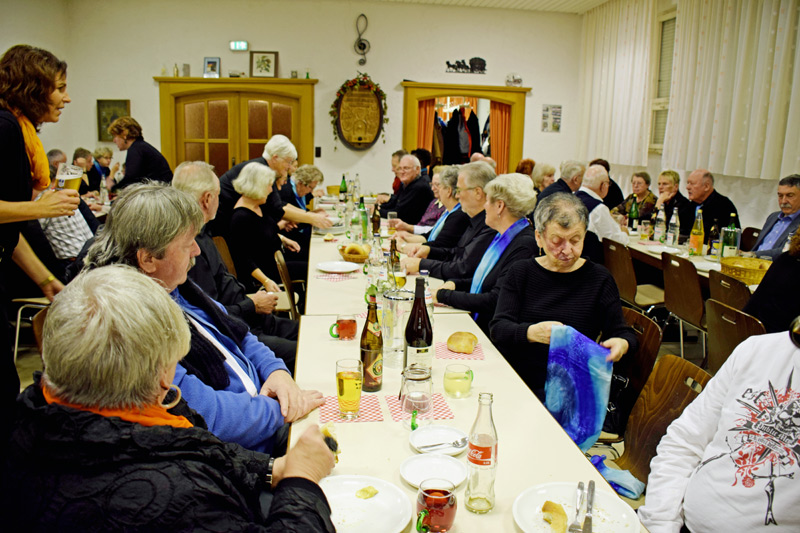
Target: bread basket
point(749, 270)
point(354, 257)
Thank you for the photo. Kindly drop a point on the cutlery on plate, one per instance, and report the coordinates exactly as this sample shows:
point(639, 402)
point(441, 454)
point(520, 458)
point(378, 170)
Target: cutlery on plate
point(575, 526)
point(460, 443)
point(587, 522)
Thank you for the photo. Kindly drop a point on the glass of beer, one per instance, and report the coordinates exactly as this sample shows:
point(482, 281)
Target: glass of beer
point(349, 378)
point(391, 218)
point(457, 381)
point(345, 327)
point(436, 506)
point(399, 275)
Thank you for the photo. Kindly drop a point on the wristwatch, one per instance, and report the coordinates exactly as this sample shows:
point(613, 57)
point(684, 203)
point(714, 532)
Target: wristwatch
point(270, 466)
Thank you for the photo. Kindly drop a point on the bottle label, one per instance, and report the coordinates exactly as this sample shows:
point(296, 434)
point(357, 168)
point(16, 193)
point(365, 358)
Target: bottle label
point(481, 455)
point(374, 328)
point(696, 244)
point(373, 364)
point(422, 356)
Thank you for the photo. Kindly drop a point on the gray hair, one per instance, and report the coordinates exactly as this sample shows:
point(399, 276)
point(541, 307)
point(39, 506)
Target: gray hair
point(514, 190)
point(414, 159)
point(281, 146)
point(540, 171)
point(145, 216)
point(477, 174)
point(448, 177)
point(109, 336)
point(195, 178)
point(563, 209)
point(594, 176)
point(793, 180)
point(308, 174)
point(644, 175)
point(570, 169)
point(102, 151)
point(54, 154)
point(254, 180)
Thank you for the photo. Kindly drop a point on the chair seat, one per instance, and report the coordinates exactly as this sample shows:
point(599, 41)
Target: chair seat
point(36, 300)
point(283, 302)
point(647, 295)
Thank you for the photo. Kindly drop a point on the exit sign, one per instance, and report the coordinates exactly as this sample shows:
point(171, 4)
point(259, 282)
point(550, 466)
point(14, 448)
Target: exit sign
point(239, 46)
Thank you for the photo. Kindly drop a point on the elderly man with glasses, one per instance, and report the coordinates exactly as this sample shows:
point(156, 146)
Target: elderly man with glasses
point(411, 201)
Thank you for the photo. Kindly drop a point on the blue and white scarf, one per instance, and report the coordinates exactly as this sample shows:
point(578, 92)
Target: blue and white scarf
point(437, 228)
point(301, 200)
point(493, 253)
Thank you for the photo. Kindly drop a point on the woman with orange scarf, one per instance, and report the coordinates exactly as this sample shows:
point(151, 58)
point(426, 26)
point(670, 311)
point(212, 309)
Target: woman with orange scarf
point(103, 440)
point(33, 90)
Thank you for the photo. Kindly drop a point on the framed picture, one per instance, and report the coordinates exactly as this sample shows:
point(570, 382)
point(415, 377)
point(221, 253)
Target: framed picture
point(107, 112)
point(263, 64)
point(211, 67)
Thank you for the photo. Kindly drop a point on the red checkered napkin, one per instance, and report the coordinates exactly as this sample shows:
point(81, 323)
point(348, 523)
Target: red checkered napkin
point(442, 352)
point(440, 408)
point(368, 411)
point(335, 277)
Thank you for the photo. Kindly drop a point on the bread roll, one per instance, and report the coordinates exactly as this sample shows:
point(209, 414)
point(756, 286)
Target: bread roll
point(554, 515)
point(462, 342)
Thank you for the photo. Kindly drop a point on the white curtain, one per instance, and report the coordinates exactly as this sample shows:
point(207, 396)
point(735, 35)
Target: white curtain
point(735, 95)
point(615, 81)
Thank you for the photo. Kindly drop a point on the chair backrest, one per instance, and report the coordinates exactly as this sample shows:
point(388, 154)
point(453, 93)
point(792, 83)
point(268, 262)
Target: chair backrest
point(286, 279)
point(619, 263)
point(728, 290)
point(38, 326)
point(682, 294)
point(225, 253)
point(727, 328)
point(749, 238)
point(672, 385)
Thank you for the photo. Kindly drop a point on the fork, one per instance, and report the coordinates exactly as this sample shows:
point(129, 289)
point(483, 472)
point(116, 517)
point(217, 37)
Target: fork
point(575, 526)
point(460, 443)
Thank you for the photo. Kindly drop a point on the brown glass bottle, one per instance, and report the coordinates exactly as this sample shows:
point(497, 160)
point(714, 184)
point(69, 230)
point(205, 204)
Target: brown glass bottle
point(372, 349)
point(419, 331)
point(376, 220)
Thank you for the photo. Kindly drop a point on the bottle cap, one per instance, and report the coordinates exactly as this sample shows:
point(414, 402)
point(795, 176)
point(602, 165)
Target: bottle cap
point(423, 273)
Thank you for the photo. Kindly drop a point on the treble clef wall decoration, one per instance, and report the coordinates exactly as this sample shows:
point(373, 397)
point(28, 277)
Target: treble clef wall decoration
point(361, 46)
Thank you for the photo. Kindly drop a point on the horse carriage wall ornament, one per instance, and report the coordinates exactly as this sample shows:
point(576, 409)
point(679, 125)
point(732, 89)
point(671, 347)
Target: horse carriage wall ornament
point(476, 65)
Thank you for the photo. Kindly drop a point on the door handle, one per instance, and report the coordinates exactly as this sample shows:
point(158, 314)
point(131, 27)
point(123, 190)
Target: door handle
point(233, 161)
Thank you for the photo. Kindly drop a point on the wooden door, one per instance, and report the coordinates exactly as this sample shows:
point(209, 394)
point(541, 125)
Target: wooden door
point(264, 115)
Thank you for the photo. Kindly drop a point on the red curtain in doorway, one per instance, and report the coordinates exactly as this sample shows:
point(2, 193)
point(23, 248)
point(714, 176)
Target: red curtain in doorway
point(500, 124)
point(425, 112)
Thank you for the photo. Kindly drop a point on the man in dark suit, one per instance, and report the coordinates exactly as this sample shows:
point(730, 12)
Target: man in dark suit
point(781, 225)
point(717, 209)
point(411, 201)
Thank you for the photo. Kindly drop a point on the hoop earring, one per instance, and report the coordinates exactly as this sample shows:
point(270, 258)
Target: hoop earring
point(175, 401)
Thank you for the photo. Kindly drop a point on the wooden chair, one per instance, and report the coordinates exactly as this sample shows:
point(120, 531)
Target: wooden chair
point(682, 294)
point(672, 385)
point(225, 253)
point(37, 302)
point(38, 326)
point(728, 290)
point(749, 238)
point(727, 328)
point(619, 263)
point(286, 279)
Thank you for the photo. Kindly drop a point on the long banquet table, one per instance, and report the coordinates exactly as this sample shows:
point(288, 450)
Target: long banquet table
point(533, 449)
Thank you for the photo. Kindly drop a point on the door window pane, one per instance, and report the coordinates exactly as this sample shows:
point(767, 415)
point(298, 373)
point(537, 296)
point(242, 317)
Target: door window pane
point(194, 120)
point(218, 157)
point(281, 120)
point(218, 119)
point(255, 150)
point(257, 119)
point(194, 151)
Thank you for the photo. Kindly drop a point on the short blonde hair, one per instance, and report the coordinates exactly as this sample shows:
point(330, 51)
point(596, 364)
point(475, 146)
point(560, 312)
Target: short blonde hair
point(102, 151)
point(109, 336)
point(254, 181)
point(540, 171)
point(671, 174)
point(308, 174)
point(514, 190)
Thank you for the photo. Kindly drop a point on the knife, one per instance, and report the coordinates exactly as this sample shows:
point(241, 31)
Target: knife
point(587, 522)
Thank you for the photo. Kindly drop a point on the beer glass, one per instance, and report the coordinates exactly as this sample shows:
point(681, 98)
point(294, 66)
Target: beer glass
point(457, 381)
point(345, 327)
point(349, 378)
point(391, 218)
point(436, 506)
point(68, 177)
point(416, 395)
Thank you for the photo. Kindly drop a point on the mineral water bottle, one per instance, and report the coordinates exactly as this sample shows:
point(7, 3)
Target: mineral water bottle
point(672, 233)
point(482, 458)
point(660, 231)
point(428, 295)
point(103, 191)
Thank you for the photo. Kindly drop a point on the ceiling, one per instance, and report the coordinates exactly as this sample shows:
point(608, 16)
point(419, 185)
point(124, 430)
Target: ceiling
point(557, 6)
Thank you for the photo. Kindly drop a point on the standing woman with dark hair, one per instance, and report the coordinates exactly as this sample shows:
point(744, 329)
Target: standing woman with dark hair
point(33, 90)
point(143, 161)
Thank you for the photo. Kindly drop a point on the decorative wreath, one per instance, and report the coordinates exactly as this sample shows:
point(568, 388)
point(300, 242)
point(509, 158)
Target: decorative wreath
point(362, 81)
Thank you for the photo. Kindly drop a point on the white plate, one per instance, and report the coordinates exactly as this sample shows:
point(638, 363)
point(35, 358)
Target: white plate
point(435, 435)
point(388, 511)
point(333, 230)
point(338, 267)
point(609, 515)
point(418, 468)
point(702, 265)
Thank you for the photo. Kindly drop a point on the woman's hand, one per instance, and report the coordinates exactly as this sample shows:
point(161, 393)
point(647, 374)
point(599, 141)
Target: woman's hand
point(295, 402)
point(270, 286)
point(540, 332)
point(51, 289)
point(286, 225)
point(289, 244)
point(57, 203)
point(321, 220)
point(618, 347)
point(399, 225)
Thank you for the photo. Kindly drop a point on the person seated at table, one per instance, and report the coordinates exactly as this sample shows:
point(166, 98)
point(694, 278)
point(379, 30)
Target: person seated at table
point(558, 288)
point(674, 203)
point(228, 376)
point(414, 196)
point(729, 462)
point(446, 231)
point(614, 196)
point(82, 158)
point(509, 199)
point(775, 301)
point(298, 191)
point(101, 169)
point(717, 209)
point(254, 236)
point(781, 225)
point(143, 161)
point(435, 208)
point(106, 432)
point(396, 183)
point(594, 189)
point(461, 260)
point(526, 166)
point(544, 174)
point(569, 182)
point(642, 196)
point(209, 272)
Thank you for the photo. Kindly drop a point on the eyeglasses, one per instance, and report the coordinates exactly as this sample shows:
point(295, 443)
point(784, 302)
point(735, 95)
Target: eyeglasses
point(405, 169)
point(459, 190)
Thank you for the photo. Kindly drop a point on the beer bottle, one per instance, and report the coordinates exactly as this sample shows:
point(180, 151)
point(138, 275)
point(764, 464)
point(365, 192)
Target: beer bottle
point(394, 262)
point(372, 349)
point(419, 332)
point(376, 220)
point(343, 190)
point(698, 234)
point(732, 224)
point(713, 239)
point(482, 458)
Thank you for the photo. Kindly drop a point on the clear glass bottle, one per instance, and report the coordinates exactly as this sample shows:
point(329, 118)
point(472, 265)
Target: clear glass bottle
point(672, 232)
point(660, 228)
point(373, 267)
point(104, 191)
point(363, 219)
point(482, 458)
point(428, 295)
point(697, 236)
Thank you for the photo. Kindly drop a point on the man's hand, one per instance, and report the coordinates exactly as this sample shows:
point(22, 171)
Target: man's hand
point(664, 198)
point(540, 332)
point(447, 285)
point(411, 265)
point(309, 458)
point(265, 301)
point(421, 252)
point(58, 203)
point(618, 346)
point(401, 226)
point(295, 403)
point(382, 198)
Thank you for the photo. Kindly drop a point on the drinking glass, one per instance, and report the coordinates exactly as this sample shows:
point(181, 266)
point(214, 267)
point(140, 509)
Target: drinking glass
point(349, 378)
point(391, 217)
point(644, 230)
point(345, 327)
point(436, 506)
point(416, 396)
point(457, 381)
point(68, 177)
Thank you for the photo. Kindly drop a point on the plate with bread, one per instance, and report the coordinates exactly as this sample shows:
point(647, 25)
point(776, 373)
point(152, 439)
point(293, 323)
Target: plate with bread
point(549, 507)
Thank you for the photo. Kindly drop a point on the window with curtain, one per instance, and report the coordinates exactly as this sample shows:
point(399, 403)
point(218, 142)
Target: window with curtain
point(660, 105)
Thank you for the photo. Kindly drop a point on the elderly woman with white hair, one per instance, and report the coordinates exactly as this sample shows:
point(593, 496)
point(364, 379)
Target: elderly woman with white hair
point(558, 288)
point(254, 236)
point(297, 192)
point(509, 199)
point(99, 430)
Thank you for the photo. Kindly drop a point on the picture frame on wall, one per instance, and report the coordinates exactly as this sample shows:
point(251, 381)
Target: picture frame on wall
point(263, 64)
point(107, 112)
point(211, 67)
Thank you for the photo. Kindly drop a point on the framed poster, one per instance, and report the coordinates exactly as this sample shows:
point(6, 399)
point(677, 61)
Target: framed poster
point(211, 67)
point(107, 112)
point(263, 64)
